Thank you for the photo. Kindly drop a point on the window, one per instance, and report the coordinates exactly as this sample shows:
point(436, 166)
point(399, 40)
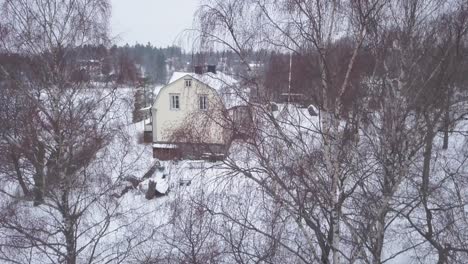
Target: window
point(188, 83)
point(203, 102)
point(175, 102)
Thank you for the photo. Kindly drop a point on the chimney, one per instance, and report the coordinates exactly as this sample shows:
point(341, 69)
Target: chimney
point(212, 69)
point(199, 69)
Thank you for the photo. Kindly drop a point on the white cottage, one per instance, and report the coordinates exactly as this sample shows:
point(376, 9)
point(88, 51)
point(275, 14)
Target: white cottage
point(189, 116)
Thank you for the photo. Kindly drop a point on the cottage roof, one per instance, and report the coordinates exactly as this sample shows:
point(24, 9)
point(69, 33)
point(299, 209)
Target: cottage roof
point(226, 86)
point(217, 81)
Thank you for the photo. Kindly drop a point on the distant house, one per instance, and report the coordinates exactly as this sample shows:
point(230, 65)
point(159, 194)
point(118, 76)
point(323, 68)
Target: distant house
point(190, 117)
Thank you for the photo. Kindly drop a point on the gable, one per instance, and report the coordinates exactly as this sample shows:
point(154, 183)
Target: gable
point(224, 86)
point(178, 87)
point(216, 81)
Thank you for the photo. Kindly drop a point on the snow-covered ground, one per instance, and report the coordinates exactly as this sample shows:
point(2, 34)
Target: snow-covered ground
point(224, 212)
point(208, 201)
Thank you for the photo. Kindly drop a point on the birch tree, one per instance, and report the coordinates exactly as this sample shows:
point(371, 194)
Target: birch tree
point(366, 150)
point(56, 136)
point(299, 27)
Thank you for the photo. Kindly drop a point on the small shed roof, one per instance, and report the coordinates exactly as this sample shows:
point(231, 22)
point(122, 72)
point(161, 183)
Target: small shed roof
point(145, 108)
point(164, 146)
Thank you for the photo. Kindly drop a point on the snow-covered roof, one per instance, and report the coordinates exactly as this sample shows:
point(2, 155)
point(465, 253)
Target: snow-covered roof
point(164, 146)
point(226, 86)
point(157, 89)
point(145, 108)
point(216, 81)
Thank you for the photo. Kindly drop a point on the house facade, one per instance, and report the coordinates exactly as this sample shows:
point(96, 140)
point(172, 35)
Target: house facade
point(188, 117)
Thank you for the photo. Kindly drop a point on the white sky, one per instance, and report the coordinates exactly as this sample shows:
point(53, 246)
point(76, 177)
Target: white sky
point(160, 22)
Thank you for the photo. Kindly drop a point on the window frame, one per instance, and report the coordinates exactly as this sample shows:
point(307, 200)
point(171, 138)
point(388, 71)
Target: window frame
point(188, 83)
point(203, 103)
point(174, 102)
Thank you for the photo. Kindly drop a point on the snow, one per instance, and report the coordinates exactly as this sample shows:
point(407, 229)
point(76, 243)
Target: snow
point(145, 108)
point(216, 81)
point(226, 86)
point(157, 89)
point(190, 184)
point(164, 146)
point(162, 184)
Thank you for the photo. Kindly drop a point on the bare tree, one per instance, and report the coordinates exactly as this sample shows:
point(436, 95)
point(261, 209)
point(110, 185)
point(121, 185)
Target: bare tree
point(56, 136)
point(338, 175)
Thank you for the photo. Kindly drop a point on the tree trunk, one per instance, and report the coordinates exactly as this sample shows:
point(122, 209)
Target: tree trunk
point(70, 241)
point(427, 166)
point(336, 213)
point(38, 187)
point(447, 121)
point(330, 125)
point(39, 176)
point(443, 256)
point(429, 233)
point(379, 240)
point(325, 255)
point(69, 227)
point(19, 174)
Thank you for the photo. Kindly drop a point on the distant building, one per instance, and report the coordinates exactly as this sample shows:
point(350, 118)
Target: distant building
point(190, 117)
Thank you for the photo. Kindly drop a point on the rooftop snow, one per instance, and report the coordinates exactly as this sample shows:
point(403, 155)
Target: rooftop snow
point(226, 86)
point(145, 108)
point(216, 81)
point(157, 89)
point(164, 146)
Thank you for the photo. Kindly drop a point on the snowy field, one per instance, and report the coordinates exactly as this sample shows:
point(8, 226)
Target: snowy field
point(223, 212)
point(207, 202)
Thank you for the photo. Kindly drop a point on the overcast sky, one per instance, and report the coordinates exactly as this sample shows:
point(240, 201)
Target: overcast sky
point(157, 21)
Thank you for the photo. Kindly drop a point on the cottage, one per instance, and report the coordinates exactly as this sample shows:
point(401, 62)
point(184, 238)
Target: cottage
point(189, 115)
